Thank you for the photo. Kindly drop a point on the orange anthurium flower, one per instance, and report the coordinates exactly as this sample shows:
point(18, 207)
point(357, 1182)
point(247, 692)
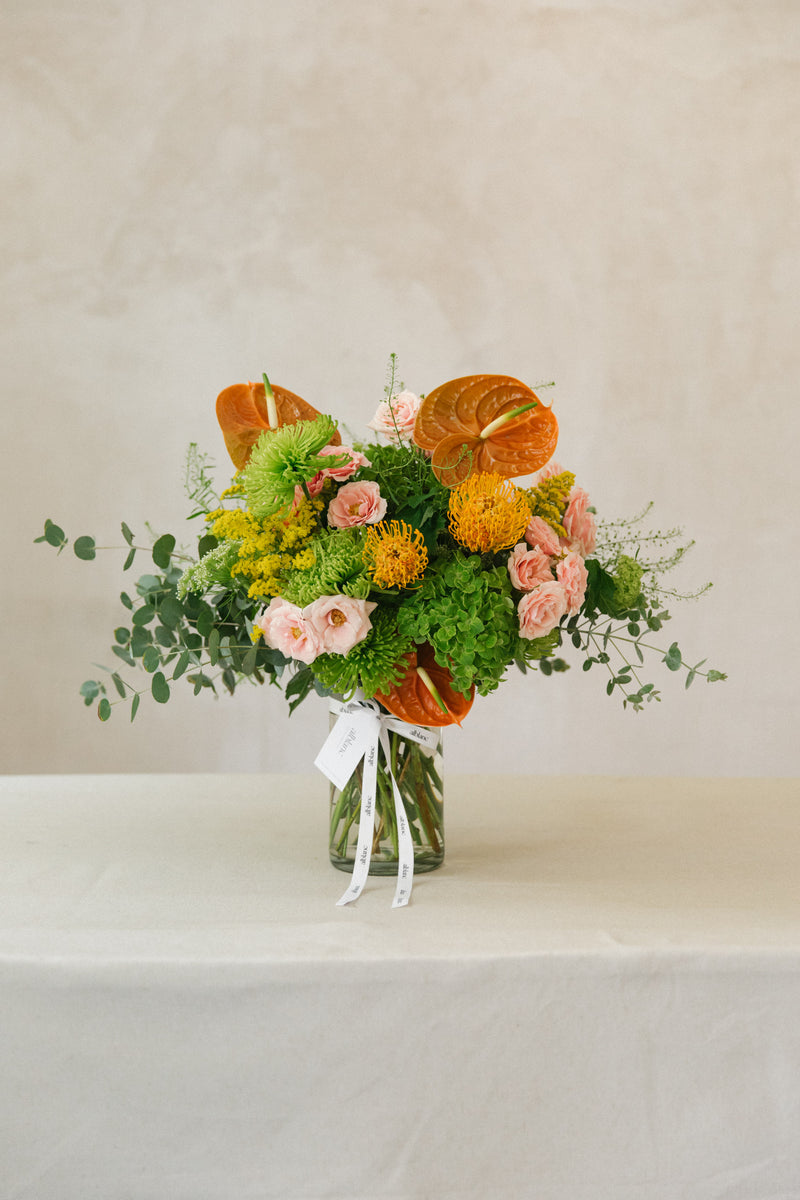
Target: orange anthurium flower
point(425, 694)
point(485, 423)
point(243, 416)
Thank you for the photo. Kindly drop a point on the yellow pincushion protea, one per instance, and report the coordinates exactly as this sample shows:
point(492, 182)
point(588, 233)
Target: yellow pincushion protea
point(394, 554)
point(487, 513)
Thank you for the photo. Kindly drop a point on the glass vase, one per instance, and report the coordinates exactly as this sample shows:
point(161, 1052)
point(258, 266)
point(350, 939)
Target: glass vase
point(418, 772)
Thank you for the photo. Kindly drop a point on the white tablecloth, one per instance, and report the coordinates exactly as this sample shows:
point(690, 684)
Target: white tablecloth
point(596, 998)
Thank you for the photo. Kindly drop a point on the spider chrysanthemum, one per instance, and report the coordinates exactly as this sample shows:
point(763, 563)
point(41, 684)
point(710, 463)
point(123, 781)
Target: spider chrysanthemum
point(283, 459)
point(394, 554)
point(487, 513)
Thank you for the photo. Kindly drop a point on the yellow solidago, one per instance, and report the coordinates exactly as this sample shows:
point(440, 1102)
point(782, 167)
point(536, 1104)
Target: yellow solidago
point(394, 554)
point(269, 546)
point(487, 512)
point(548, 499)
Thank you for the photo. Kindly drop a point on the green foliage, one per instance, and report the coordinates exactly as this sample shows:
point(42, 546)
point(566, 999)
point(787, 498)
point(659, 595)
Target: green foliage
point(198, 483)
point(411, 490)
point(466, 611)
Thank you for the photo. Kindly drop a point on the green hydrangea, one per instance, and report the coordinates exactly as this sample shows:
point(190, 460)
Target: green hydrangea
point(627, 582)
point(337, 569)
point(466, 612)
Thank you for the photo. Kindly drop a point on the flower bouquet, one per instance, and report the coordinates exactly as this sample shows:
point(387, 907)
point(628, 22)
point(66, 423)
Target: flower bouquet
point(398, 576)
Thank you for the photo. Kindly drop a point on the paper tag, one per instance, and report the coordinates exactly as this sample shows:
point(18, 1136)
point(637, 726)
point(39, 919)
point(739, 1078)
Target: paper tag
point(346, 745)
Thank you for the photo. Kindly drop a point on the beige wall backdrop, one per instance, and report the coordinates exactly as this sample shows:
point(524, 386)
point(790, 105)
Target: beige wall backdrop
point(600, 194)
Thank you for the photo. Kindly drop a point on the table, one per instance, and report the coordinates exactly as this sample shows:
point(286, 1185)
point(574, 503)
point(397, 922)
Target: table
point(596, 998)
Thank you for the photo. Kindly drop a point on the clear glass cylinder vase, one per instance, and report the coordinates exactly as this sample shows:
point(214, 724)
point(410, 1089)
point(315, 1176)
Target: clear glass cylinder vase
point(418, 772)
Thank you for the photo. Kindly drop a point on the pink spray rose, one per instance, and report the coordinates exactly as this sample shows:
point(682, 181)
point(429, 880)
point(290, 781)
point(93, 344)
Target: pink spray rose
point(395, 418)
point(541, 610)
point(339, 474)
point(286, 628)
point(356, 504)
point(340, 621)
point(540, 534)
point(547, 472)
point(527, 568)
point(572, 574)
point(580, 523)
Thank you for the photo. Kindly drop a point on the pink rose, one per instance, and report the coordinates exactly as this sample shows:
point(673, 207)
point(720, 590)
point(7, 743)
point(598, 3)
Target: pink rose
point(356, 504)
point(339, 474)
point(552, 468)
point(340, 621)
point(286, 628)
point(395, 418)
point(528, 568)
point(314, 485)
point(580, 523)
point(540, 534)
point(572, 574)
point(541, 610)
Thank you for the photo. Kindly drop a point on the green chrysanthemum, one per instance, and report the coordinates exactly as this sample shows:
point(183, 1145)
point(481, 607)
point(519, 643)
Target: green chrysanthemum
point(286, 458)
point(337, 568)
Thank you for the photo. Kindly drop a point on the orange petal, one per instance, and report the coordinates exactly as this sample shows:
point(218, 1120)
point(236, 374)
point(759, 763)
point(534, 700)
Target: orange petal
point(411, 700)
point(242, 415)
point(451, 418)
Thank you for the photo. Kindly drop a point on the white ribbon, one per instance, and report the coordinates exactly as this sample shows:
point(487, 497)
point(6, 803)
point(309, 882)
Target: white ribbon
point(358, 732)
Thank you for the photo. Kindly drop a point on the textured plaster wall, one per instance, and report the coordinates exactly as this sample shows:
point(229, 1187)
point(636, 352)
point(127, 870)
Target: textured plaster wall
point(604, 195)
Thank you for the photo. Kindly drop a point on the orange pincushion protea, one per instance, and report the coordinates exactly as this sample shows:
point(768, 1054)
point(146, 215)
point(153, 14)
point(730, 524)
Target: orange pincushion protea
point(413, 699)
point(243, 416)
point(487, 512)
point(485, 423)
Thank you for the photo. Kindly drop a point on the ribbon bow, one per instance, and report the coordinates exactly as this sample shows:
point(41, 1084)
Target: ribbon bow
point(358, 732)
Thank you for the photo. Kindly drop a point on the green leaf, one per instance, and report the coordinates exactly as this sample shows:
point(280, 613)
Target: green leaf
point(249, 661)
point(135, 705)
point(162, 550)
point(129, 559)
point(205, 621)
point(160, 688)
point(715, 676)
point(148, 583)
point(90, 690)
point(170, 611)
point(182, 664)
point(213, 647)
point(54, 535)
point(126, 533)
point(140, 640)
point(118, 684)
point(151, 659)
point(122, 635)
point(144, 615)
point(673, 658)
point(124, 654)
point(126, 600)
point(206, 543)
point(609, 687)
point(84, 548)
point(104, 709)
